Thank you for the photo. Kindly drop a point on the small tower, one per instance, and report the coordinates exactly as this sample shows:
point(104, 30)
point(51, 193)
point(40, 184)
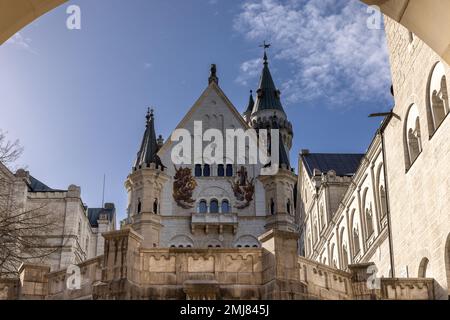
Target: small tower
point(268, 107)
point(248, 112)
point(268, 113)
point(144, 186)
point(279, 192)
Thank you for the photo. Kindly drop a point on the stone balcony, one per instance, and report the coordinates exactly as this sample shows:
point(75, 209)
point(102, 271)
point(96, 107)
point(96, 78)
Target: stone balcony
point(214, 222)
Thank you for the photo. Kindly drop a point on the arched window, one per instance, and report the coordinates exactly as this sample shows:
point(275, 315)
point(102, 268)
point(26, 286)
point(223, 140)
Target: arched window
point(423, 268)
point(356, 244)
point(202, 206)
point(369, 223)
point(309, 246)
point(206, 170)
point(383, 201)
point(220, 170)
point(344, 257)
point(225, 206)
point(316, 233)
point(288, 206)
point(322, 217)
point(214, 206)
point(438, 104)
point(272, 207)
point(413, 140)
point(139, 206)
point(198, 170)
point(155, 206)
point(229, 170)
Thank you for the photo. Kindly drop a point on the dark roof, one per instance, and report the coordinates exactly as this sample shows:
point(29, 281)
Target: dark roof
point(37, 186)
point(268, 97)
point(342, 164)
point(94, 214)
point(149, 147)
point(251, 104)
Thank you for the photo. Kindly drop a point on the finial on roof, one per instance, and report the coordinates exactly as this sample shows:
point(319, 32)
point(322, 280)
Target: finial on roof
point(213, 75)
point(265, 46)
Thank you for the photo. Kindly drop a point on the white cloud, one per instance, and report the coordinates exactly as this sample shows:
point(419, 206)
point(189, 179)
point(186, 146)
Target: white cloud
point(330, 51)
point(20, 41)
point(148, 65)
point(248, 71)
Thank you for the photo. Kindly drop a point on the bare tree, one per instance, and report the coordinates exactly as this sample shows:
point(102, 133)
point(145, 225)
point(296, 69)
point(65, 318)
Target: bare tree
point(23, 230)
point(10, 151)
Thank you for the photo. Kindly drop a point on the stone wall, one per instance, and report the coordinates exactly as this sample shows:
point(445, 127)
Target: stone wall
point(419, 189)
point(273, 272)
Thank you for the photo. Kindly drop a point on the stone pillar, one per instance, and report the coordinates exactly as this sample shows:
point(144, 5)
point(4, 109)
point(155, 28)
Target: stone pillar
point(281, 274)
point(364, 284)
point(33, 282)
point(121, 258)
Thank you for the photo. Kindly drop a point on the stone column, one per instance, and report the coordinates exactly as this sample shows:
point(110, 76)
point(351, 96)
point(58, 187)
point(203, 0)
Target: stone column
point(281, 273)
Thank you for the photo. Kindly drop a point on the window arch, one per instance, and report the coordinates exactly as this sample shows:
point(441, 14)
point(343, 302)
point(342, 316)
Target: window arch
point(322, 217)
point(438, 102)
point(155, 206)
point(139, 206)
point(309, 246)
point(356, 244)
point(288, 206)
point(383, 201)
point(369, 223)
point(413, 138)
point(344, 257)
point(214, 206)
point(225, 206)
point(423, 268)
point(202, 206)
point(315, 233)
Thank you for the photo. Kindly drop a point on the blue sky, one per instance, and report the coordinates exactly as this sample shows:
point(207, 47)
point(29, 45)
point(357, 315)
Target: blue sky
point(76, 99)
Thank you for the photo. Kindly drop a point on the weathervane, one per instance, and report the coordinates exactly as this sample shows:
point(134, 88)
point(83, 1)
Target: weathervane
point(265, 45)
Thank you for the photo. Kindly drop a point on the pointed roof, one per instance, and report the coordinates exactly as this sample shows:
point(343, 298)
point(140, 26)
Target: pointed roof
point(148, 152)
point(251, 104)
point(268, 96)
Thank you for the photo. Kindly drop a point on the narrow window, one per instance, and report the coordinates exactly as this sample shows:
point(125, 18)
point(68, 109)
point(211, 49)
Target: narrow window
point(214, 206)
point(202, 206)
point(369, 222)
point(225, 206)
point(198, 170)
point(229, 170)
point(221, 170)
point(206, 170)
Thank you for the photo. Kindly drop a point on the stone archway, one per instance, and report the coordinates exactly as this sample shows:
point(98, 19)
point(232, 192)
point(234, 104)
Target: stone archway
point(429, 20)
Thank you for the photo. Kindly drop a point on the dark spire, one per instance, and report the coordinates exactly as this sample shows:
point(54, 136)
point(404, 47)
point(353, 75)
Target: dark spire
point(213, 75)
point(251, 104)
point(268, 97)
point(149, 148)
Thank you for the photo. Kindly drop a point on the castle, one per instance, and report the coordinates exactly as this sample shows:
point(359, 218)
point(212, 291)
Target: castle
point(349, 226)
